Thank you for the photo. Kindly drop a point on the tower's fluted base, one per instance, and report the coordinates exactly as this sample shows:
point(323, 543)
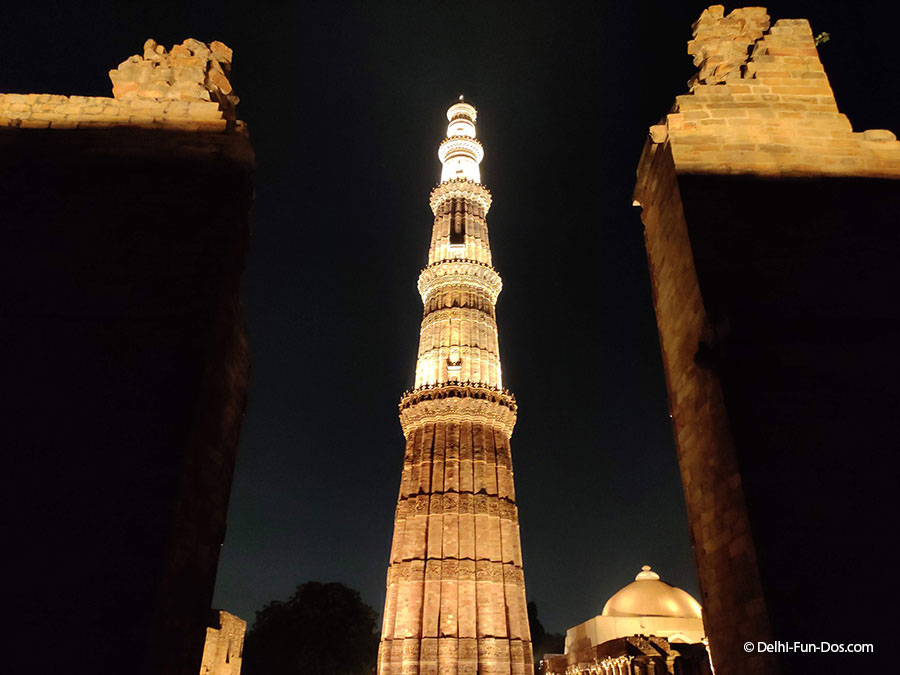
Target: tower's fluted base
point(455, 589)
point(452, 656)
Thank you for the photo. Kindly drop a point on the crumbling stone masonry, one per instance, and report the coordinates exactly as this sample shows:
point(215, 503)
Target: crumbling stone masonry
point(125, 229)
point(771, 234)
point(191, 71)
point(224, 648)
point(186, 89)
point(769, 112)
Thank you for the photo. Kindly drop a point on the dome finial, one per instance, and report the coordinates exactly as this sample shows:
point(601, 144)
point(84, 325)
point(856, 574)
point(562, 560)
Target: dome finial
point(461, 98)
point(646, 573)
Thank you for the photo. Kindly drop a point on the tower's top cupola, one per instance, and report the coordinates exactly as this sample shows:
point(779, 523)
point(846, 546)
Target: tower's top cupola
point(461, 153)
point(462, 110)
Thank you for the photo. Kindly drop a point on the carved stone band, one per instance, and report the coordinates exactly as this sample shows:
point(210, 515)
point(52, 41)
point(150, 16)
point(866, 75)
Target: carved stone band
point(460, 188)
point(460, 145)
point(458, 403)
point(457, 274)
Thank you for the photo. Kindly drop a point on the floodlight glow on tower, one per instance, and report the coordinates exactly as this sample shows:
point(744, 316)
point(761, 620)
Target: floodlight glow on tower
point(455, 600)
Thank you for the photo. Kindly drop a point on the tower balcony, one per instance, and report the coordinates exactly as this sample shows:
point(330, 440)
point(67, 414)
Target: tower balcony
point(464, 146)
point(446, 274)
point(462, 110)
point(463, 189)
point(458, 402)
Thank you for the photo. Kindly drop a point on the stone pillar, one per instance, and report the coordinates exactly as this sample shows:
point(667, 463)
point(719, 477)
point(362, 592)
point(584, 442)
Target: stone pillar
point(770, 228)
point(125, 230)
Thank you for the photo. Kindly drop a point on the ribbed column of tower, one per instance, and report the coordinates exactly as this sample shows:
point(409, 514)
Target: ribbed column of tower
point(455, 599)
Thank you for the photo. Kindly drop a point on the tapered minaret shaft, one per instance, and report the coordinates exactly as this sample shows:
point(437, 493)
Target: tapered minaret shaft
point(455, 599)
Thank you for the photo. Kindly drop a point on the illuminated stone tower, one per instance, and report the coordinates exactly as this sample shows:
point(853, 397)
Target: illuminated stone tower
point(455, 598)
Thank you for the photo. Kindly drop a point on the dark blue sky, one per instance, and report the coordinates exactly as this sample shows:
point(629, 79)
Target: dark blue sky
point(345, 104)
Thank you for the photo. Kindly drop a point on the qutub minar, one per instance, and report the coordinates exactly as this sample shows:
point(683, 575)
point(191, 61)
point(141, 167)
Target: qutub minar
point(455, 599)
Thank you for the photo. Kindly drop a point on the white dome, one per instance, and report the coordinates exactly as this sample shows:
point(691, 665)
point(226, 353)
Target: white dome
point(648, 596)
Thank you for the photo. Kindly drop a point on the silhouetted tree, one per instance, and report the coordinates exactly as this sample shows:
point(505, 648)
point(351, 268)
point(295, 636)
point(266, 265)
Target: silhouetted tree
point(323, 629)
point(537, 629)
point(543, 642)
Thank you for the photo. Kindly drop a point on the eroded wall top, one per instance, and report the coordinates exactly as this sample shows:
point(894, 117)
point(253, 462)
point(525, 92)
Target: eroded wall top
point(183, 88)
point(761, 103)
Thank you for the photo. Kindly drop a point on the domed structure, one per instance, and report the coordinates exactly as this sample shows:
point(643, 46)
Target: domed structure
point(648, 596)
point(648, 624)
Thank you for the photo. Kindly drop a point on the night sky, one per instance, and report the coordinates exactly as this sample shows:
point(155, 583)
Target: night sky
point(345, 103)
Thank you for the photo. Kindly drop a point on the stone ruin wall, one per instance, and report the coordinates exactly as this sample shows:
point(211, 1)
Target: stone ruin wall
point(149, 189)
point(185, 88)
point(707, 458)
point(761, 103)
point(224, 647)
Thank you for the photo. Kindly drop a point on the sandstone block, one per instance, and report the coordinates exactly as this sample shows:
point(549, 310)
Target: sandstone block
point(221, 52)
point(879, 135)
point(659, 133)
